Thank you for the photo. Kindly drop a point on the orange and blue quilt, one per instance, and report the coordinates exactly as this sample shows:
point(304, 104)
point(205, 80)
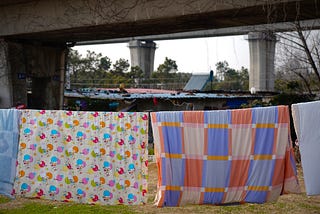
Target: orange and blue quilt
point(224, 156)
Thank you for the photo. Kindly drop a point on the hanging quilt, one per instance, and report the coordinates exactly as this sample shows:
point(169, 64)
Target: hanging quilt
point(85, 157)
point(306, 121)
point(9, 139)
point(220, 157)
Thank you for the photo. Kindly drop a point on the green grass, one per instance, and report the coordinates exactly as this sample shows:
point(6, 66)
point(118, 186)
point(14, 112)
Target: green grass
point(309, 207)
point(40, 206)
point(67, 208)
point(4, 200)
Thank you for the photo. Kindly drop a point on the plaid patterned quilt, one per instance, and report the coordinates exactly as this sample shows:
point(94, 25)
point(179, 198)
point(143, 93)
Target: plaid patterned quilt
point(225, 156)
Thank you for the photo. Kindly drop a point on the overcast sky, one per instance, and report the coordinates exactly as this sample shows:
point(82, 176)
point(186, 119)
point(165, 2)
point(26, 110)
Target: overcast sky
point(191, 55)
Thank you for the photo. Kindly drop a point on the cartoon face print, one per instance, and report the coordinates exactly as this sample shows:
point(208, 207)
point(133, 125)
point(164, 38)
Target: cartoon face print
point(107, 167)
point(27, 160)
point(107, 195)
point(53, 190)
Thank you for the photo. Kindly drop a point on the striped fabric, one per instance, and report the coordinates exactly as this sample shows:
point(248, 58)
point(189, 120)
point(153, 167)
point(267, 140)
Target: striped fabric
point(227, 156)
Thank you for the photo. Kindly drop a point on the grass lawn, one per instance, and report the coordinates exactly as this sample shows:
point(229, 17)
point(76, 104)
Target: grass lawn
point(292, 203)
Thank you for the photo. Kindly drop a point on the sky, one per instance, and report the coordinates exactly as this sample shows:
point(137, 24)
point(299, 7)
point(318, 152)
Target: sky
point(191, 55)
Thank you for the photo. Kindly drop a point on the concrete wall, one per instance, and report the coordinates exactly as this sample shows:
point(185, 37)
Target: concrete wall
point(42, 65)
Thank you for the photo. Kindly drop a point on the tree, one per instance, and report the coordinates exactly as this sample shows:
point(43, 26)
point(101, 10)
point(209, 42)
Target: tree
point(168, 66)
point(221, 69)
point(93, 70)
point(244, 78)
point(166, 71)
point(88, 71)
point(167, 77)
point(120, 67)
point(135, 75)
point(299, 64)
point(74, 63)
point(227, 78)
point(75, 66)
point(105, 63)
point(292, 78)
point(91, 66)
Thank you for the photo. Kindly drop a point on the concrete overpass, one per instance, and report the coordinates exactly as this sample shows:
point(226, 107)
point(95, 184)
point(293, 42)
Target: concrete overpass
point(35, 34)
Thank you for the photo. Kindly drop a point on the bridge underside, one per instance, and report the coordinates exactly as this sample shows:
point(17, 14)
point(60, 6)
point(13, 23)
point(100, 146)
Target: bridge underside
point(248, 16)
point(35, 35)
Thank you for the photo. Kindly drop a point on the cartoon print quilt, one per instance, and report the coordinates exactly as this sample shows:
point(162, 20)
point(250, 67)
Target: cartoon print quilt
point(221, 157)
point(85, 157)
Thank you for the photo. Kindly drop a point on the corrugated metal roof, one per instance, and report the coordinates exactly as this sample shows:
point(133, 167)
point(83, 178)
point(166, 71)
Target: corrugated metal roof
point(132, 90)
point(174, 95)
point(197, 82)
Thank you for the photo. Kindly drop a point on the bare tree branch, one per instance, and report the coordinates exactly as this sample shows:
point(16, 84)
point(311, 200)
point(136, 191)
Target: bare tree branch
point(308, 53)
point(306, 82)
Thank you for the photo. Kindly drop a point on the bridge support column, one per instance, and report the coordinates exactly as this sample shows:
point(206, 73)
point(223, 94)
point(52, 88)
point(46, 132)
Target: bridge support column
point(142, 55)
point(262, 51)
point(31, 75)
point(46, 69)
point(6, 97)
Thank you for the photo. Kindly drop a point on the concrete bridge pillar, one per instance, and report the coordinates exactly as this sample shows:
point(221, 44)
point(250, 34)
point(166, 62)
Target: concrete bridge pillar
point(262, 51)
point(6, 97)
point(32, 75)
point(45, 66)
point(142, 55)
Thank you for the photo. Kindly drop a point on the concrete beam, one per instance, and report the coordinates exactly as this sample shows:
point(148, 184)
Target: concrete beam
point(231, 31)
point(48, 15)
point(72, 21)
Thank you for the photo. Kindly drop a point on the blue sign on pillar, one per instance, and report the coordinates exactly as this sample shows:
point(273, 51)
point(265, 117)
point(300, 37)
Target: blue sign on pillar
point(22, 76)
point(56, 78)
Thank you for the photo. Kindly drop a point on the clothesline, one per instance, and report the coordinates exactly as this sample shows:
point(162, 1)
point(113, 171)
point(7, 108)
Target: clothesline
point(101, 157)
